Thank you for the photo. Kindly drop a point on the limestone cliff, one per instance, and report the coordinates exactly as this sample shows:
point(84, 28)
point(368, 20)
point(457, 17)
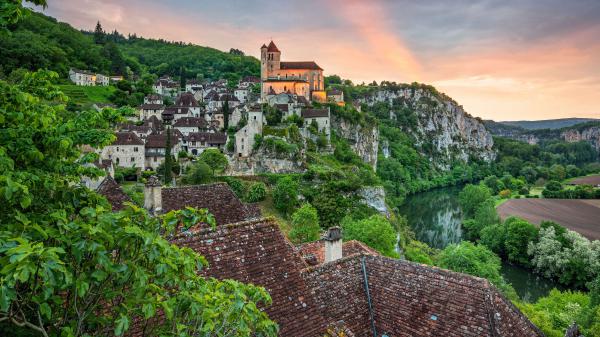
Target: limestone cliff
point(590, 134)
point(364, 140)
point(441, 129)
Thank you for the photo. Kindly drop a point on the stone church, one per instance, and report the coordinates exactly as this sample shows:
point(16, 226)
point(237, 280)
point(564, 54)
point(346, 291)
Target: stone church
point(297, 78)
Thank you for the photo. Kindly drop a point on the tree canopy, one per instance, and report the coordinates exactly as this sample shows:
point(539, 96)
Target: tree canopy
point(72, 267)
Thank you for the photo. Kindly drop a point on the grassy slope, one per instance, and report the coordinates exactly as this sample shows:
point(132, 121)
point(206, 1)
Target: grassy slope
point(87, 95)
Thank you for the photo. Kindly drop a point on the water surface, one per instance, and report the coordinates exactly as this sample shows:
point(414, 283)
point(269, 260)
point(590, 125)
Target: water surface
point(435, 217)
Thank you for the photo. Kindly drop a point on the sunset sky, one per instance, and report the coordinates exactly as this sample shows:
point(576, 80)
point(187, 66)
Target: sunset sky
point(504, 60)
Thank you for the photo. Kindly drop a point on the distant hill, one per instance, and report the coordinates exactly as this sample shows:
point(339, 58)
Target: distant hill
point(549, 123)
point(39, 41)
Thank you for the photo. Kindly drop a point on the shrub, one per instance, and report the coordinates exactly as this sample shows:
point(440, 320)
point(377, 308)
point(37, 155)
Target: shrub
point(236, 185)
point(148, 173)
point(258, 139)
point(494, 237)
point(505, 194)
point(524, 190)
point(375, 231)
point(305, 224)
point(257, 192)
point(198, 173)
point(419, 252)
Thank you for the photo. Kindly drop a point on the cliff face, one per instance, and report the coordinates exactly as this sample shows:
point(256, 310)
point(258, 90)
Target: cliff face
point(590, 134)
point(364, 140)
point(440, 128)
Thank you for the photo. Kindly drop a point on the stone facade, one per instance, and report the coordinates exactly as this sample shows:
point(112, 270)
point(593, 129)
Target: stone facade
point(244, 138)
point(126, 151)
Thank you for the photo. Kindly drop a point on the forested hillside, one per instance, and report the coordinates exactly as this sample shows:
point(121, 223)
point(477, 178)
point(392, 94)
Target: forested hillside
point(41, 42)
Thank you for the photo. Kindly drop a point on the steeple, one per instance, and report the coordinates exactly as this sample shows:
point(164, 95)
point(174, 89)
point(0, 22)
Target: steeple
point(272, 48)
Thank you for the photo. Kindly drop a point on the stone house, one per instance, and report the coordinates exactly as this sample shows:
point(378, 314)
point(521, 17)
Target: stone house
point(335, 95)
point(153, 99)
point(156, 145)
point(195, 143)
point(319, 116)
point(187, 125)
point(165, 86)
point(103, 80)
point(242, 94)
point(148, 110)
point(244, 137)
point(187, 101)
point(82, 77)
point(126, 151)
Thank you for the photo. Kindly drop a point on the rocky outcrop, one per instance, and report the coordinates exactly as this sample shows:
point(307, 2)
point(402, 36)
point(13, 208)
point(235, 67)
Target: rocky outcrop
point(591, 135)
point(364, 140)
point(374, 197)
point(443, 130)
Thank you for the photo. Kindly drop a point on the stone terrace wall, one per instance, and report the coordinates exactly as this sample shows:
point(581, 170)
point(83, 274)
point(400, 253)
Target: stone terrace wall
point(414, 300)
point(338, 289)
point(257, 252)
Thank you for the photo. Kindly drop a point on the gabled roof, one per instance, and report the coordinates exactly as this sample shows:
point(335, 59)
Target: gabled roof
point(218, 198)
point(191, 122)
point(113, 193)
point(186, 99)
point(300, 65)
point(282, 107)
point(127, 138)
point(257, 252)
point(209, 137)
point(314, 113)
point(152, 106)
point(272, 48)
point(159, 140)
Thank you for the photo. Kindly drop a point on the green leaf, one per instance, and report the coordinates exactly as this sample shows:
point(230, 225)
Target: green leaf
point(122, 325)
point(82, 287)
point(46, 310)
point(99, 275)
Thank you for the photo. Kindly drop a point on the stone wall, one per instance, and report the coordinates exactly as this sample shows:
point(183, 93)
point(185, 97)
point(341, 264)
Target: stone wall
point(591, 135)
point(374, 197)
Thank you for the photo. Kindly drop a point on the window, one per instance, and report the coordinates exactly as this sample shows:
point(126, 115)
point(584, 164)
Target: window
point(132, 159)
point(254, 117)
point(135, 149)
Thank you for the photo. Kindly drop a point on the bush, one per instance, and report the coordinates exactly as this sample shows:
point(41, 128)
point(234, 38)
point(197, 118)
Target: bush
point(524, 190)
point(148, 173)
point(468, 258)
point(505, 194)
point(305, 225)
point(257, 192)
point(375, 231)
point(198, 173)
point(518, 235)
point(236, 185)
point(419, 252)
point(258, 139)
point(285, 194)
point(494, 237)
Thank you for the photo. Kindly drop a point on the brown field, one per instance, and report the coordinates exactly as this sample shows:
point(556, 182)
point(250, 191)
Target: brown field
point(588, 180)
point(582, 216)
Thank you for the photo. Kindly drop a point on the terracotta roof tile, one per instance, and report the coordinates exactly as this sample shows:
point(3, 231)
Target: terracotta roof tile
point(127, 138)
point(272, 48)
point(313, 113)
point(113, 193)
point(300, 65)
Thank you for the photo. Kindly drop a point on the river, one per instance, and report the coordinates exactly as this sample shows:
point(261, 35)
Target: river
point(435, 217)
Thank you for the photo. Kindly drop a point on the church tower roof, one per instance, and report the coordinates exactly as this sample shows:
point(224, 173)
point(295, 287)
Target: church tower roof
point(272, 48)
point(263, 46)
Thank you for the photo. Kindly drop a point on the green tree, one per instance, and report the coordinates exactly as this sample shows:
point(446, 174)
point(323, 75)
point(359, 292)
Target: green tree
point(99, 35)
point(471, 197)
point(70, 266)
point(168, 177)
point(494, 237)
point(477, 260)
point(285, 194)
point(375, 231)
point(305, 224)
point(518, 235)
point(226, 114)
point(215, 159)
point(198, 173)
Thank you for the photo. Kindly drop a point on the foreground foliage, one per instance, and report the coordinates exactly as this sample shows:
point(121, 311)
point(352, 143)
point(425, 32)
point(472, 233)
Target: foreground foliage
point(70, 266)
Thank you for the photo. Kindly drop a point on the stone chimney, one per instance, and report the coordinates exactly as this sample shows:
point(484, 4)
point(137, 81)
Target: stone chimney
point(333, 244)
point(153, 195)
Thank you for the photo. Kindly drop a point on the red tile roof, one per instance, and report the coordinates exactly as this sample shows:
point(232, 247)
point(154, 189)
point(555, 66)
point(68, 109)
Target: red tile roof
point(300, 65)
point(127, 138)
point(272, 48)
point(186, 99)
point(113, 193)
point(313, 113)
point(218, 198)
point(191, 122)
point(210, 137)
point(159, 140)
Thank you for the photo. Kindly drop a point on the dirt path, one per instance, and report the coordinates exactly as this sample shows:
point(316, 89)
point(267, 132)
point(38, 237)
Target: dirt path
point(582, 216)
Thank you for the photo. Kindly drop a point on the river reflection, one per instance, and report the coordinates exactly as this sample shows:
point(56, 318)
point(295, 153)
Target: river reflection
point(435, 217)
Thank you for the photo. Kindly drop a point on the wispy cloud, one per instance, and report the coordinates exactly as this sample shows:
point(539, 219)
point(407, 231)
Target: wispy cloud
point(500, 59)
